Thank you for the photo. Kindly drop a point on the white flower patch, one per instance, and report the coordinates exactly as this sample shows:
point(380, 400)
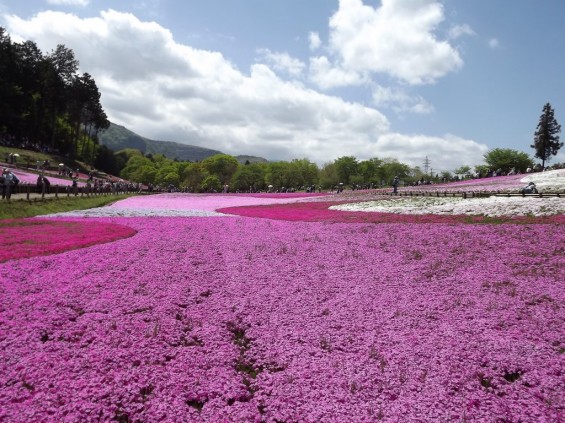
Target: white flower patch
point(553, 180)
point(492, 206)
point(133, 212)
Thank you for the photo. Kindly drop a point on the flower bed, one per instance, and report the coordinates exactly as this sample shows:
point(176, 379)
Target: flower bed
point(395, 211)
point(23, 238)
point(184, 205)
point(309, 314)
point(491, 207)
point(239, 319)
point(31, 179)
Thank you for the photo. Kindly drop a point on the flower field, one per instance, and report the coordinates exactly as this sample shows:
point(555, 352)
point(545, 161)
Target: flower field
point(207, 314)
point(31, 178)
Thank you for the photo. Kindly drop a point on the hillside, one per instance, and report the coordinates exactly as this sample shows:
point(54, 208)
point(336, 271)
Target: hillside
point(117, 138)
point(251, 159)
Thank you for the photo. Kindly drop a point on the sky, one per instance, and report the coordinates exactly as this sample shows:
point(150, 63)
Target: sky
point(442, 80)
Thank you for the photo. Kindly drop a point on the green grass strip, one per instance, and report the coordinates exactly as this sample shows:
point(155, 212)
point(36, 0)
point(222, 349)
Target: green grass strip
point(23, 208)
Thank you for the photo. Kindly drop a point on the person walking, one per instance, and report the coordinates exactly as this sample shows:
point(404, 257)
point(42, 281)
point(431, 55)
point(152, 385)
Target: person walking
point(395, 183)
point(10, 181)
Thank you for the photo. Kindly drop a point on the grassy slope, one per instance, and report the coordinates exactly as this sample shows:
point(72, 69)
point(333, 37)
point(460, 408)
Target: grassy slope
point(23, 208)
point(29, 157)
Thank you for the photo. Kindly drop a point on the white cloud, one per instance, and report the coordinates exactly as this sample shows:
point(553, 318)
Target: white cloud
point(400, 101)
point(69, 2)
point(325, 75)
point(314, 41)
point(283, 62)
point(169, 91)
point(493, 43)
point(446, 152)
point(460, 30)
point(396, 39)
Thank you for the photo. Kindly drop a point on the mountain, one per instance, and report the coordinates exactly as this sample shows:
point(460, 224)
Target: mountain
point(251, 159)
point(118, 137)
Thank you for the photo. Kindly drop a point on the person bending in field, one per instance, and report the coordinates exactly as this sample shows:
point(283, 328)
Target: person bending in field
point(529, 189)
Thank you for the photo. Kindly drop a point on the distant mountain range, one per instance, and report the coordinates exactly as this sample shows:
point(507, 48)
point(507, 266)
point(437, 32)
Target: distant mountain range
point(118, 138)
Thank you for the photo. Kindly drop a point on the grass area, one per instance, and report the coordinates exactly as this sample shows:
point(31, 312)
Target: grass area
point(23, 208)
point(28, 158)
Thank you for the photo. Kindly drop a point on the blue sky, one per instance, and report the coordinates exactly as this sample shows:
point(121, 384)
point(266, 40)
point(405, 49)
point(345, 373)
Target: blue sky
point(317, 79)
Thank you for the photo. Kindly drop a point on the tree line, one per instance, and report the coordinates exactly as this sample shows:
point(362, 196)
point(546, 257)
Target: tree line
point(214, 173)
point(45, 104)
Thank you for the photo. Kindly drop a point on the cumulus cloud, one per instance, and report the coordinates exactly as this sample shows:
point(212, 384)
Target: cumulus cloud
point(314, 41)
point(400, 101)
point(493, 43)
point(169, 91)
point(446, 152)
point(282, 62)
point(69, 2)
point(460, 30)
point(326, 76)
point(396, 39)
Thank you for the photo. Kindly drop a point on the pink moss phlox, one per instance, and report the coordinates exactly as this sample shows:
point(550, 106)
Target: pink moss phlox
point(31, 178)
point(24, 238)
point(249, 320)
point(320, 212)
point(208, 202)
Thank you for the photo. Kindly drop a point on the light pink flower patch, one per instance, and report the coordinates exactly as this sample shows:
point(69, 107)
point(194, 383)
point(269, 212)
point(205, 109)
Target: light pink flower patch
point(207, 202)
point(31, 178)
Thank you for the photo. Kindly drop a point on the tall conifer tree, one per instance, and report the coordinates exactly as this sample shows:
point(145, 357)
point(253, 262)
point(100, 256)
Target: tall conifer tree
point(546, 137)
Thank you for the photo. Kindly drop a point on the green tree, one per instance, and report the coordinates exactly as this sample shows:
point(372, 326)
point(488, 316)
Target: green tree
point(278, 175)
point(481, 170)
point(505, 159)
point(446, 175)
point(145, 174)
point(134, 163)
point(223, 166)
point(392, 168)
point(251, 176)
point(168, 174)
point(463, 170)
point(369, 170)
point(328, 175)
point(107, 161)
point(346, 167)
point(211, 183)
point(302, 173)
point(194, 174)
point(546, 138)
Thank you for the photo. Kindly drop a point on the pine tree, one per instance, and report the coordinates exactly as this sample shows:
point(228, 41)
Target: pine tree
point(546, 137)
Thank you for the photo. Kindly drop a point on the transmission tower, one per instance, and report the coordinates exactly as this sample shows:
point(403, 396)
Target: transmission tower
point(427, 163)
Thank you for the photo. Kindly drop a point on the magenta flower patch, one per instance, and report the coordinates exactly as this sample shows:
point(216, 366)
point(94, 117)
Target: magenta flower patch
point(24, 238)
point(319, 211)
point(236, 319)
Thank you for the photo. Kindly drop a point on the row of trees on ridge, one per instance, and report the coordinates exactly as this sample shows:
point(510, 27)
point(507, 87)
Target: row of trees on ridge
point(45, 103)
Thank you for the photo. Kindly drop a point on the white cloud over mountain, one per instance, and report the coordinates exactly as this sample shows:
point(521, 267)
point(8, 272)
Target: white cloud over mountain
point(165, 90)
